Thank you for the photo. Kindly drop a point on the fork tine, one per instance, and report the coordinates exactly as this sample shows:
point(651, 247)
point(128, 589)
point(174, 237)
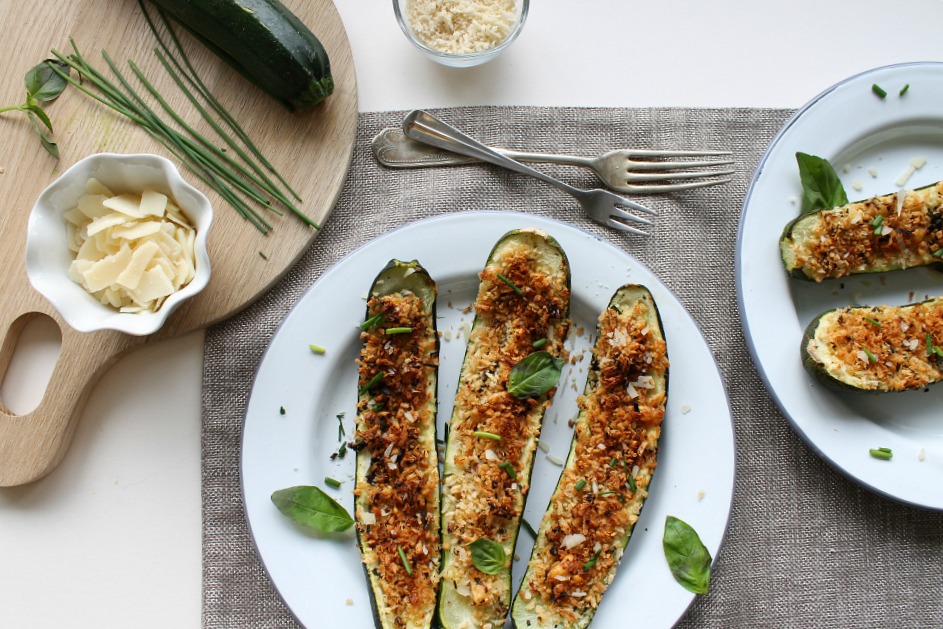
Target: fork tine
point(657, 153)
point(628, 216)
point(614, 224)
point(693, 174)
point(661, 188)
point(675, 165)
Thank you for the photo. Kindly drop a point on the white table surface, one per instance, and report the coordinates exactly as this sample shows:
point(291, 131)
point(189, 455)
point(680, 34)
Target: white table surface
point(111, 538)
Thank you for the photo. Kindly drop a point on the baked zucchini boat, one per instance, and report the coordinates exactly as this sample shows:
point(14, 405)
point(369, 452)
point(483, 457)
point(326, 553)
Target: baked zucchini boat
point(522, 301)
point(881, 348)
point(605, 480)
point(879, 234)
point(397, 493)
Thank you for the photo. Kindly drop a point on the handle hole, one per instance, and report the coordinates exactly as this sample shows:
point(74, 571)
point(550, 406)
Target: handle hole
point(30, 351)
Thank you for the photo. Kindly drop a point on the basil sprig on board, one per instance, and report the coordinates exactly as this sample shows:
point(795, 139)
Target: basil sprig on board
point(688, 558)
point(43, 85)
point(313, 509)
point(821, 187)
point(488, 556)
point(535, 375)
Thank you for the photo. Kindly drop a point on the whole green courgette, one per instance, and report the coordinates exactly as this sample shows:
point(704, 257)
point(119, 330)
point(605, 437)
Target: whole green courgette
point(264, 41)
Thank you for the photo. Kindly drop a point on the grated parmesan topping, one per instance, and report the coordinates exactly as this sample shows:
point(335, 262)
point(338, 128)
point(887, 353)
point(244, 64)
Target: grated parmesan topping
point(399, 504)
point(900, 229)
point(600, 494)
point(480, 498)
point(461, 26)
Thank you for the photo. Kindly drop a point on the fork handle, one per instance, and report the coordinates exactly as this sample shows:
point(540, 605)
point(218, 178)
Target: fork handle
point(424, 127)
point(548, 158)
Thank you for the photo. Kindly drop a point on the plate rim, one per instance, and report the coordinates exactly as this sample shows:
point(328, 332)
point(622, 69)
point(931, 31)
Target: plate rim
point(548, 222)
point(771, 150)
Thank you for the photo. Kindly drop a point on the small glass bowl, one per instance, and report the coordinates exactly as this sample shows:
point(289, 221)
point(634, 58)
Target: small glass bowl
point(461, 60)
point(47, 252)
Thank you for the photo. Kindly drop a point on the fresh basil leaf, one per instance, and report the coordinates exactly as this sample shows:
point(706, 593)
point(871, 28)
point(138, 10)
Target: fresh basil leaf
point(44, 139)
point(38, 111)
point(688, 558)
point(535, 375)
point(43, 83)
point(311, 508)
point(488, 556)
point(821, 187)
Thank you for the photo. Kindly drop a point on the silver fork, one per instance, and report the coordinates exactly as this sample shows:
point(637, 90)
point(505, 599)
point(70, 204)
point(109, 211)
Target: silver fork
point(601, 206)
point(637, 171)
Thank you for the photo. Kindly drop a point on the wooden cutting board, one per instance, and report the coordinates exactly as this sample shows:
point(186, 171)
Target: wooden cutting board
point(312, 150)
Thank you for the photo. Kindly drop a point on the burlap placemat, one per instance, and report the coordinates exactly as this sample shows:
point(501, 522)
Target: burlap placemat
point(805, 546)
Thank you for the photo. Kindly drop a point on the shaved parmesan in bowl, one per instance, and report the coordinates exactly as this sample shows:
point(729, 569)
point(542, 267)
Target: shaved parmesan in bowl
point(118, 242)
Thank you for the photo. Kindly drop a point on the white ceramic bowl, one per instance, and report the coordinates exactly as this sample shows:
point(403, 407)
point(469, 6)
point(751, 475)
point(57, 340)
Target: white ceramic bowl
point(47, 253)
point(400, 8)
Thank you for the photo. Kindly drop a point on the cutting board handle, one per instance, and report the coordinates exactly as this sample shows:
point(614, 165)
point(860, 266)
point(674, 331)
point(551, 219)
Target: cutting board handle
point(32, 444)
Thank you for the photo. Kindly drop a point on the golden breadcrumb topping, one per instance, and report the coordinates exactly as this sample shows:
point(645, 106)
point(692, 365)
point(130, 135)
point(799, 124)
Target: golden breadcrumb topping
point(885, 347)
point(398, 509)
point(601, 490)
point(483, 497)
point(876, 234)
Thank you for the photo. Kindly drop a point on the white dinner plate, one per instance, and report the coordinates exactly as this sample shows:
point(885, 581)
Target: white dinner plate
point(322, 581)
point(870, 141)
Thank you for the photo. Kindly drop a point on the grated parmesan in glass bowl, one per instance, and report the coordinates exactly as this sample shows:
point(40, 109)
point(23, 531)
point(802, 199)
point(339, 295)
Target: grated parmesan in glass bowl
point(461, 33)
point(118, 242)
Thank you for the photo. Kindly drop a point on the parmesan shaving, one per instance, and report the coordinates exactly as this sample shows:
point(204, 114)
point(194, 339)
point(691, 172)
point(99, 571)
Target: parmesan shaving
point(131, 251)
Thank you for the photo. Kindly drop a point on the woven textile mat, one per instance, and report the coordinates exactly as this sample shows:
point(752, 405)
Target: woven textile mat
point(805, 546)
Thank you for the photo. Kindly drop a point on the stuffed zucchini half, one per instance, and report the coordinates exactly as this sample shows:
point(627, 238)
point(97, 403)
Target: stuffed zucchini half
point(522, 302)
point(605, 480)
point(397, 494)
point(881, 348)
point(885, 233)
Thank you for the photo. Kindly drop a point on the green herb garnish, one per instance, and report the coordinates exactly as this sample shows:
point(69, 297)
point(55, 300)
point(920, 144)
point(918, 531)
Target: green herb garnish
point(884, 454)
point(402, 555)
point(43, 85)
point(486, 435)
point(871, 357)
point(488, 556)
point(631, 481)
point(878, 223)
point(821, 187)
point(535, 375)
point(539, 343)
point(311, 508)
point(397, 330)
point(938, 253)
point(263, 256)
point(872, 320)
point(281, 410)
point(688, 558)
point(529, 528)
point(317, 349)
point(904, 89)
point(580, 484)
point(331, 482)
point(372, 382)
point(506, 466)
point(880, 91)
point(341, 433)
point(513, 286)
point(372, 321)
point(592, 560)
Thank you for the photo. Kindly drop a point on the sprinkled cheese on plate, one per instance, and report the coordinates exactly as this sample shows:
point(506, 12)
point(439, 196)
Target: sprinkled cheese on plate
point(461, 26)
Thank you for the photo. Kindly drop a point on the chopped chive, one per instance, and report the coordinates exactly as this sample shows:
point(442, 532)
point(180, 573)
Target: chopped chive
point(506, 465)
point(341, 451)
point(263, 256)
point(874, 321)
point(281, 410)
point(938, 253)
point(539, 343)
point(632, 484)
point(486, 435)
point(341, 433)
point(372, 321)
point(878, 223)
point(884, 454)
point(402, 555)
point(330, 482)
point(938, 351)
point(580, 484)
point(317, 349)
point(372, 382)
point(613, 461)
point(871, 357)
point(880, 91)
point(529, 528)
point(607, 492)
point(511, 284)
point(378, 407)
point(592, 561)
point(397, 330)
point(904, 89)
